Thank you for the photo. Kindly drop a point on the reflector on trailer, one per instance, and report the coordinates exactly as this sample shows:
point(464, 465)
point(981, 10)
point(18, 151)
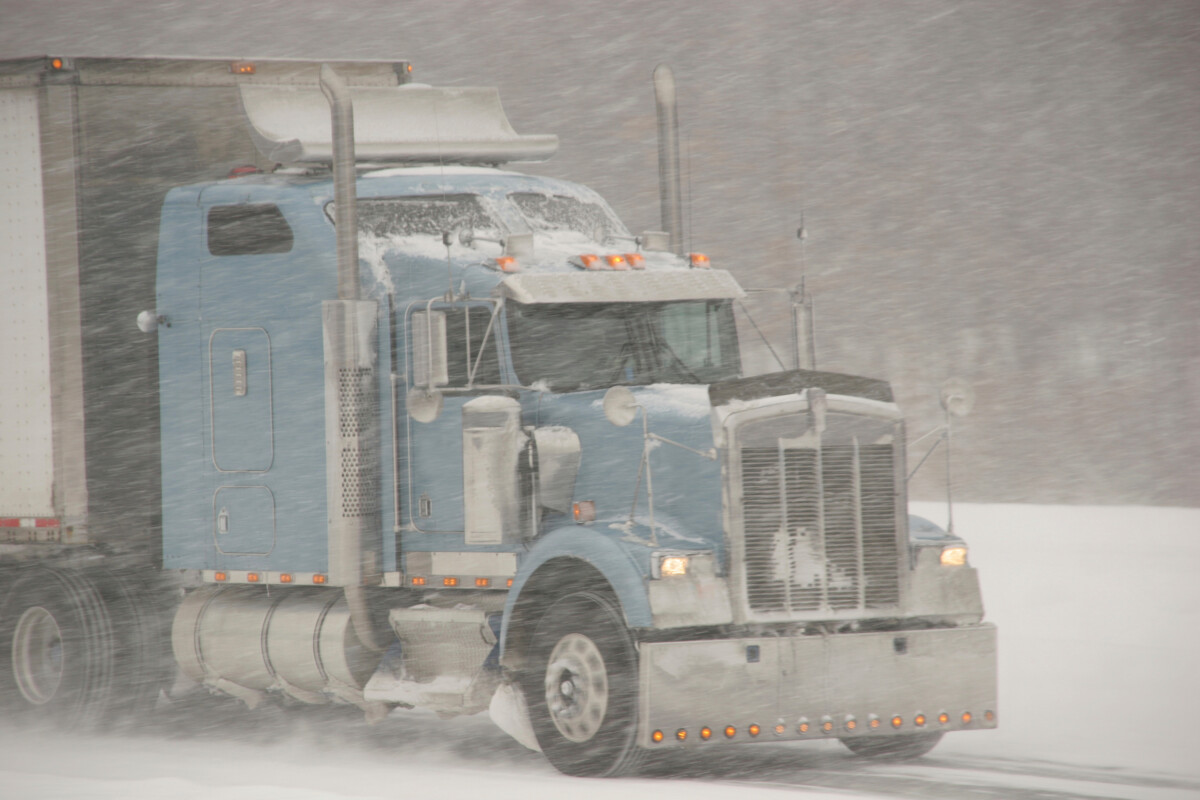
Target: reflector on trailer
point(780, 728)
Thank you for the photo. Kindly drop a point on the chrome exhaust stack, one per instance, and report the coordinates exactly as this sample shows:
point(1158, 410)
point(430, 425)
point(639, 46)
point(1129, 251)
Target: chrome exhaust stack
point(351, 334)
point(668, 156)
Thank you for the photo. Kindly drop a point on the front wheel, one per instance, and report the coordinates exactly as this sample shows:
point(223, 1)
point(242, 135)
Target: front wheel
point(893, 748)
point(582, 687)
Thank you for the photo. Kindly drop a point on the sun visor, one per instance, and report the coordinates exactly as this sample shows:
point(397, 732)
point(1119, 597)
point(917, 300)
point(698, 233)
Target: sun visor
point(391, 124)
point(621, 287)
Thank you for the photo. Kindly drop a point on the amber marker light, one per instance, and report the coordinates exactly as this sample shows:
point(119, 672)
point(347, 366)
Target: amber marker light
point(897, 722)
point(510, 583)
point(220, 576)
point(252, 577)
point(449, 581)
point(507, 264)
point(851, 724)
point(989, 716)
point(418, 581)
point(698, 260)
point(616, 262)
point(919, 720)
point(730, 731)
point(779, 729)
point(319, 579)
point(706, 733)
point(966, 718)
point(242, 68)
point(873, 722)
point(636, 260)
point(285, 578)
point(589, 261)
point(482, 583)
point(681, 734)
point(943, 717)
point(827, 726)
point(56, 63)
point(657, 736)
point(803, 726)
point(584, 511)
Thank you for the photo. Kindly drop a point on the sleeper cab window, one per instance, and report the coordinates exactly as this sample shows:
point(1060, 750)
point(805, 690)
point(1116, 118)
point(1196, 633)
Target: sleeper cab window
point(248, 229)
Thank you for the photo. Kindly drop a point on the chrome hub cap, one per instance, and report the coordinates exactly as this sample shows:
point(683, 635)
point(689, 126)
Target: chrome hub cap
point(37, 655)
point(576, 687)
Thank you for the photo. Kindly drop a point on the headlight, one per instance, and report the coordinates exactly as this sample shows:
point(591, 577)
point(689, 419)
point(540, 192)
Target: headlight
point(673, 566)
point(955, 556)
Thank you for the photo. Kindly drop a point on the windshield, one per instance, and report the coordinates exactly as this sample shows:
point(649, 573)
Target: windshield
point(572, 346)
point(430, 215)
point(549, 213)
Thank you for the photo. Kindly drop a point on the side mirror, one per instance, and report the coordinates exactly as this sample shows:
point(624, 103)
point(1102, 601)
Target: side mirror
point(957, 397)
point(430, 367)
point(620, 406)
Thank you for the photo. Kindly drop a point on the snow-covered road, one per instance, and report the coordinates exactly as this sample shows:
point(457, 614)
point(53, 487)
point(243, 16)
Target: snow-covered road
point(1098, 611)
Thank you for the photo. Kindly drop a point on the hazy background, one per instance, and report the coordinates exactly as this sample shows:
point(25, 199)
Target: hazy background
point(1002, 191)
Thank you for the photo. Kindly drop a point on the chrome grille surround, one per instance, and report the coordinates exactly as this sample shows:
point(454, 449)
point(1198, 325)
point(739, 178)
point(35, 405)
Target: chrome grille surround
point(816, 509)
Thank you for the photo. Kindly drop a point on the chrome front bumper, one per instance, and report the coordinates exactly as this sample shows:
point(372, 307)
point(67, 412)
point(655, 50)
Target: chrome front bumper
point(813, 687)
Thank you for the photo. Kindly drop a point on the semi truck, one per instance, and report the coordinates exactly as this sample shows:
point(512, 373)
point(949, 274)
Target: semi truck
point(309, 397)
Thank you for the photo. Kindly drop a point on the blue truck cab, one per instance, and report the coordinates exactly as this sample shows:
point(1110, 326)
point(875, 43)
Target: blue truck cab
point(518, 466)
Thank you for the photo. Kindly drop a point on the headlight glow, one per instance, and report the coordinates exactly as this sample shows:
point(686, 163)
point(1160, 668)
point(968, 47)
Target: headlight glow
point(955, 556)
point(673, 566)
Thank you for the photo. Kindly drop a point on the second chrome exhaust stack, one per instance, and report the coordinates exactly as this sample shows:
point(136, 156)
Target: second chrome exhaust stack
point(668, 156)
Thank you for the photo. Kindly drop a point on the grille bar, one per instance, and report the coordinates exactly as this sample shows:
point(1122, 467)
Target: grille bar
point(819, 525)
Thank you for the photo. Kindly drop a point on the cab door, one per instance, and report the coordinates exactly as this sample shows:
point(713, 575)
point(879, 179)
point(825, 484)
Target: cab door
point(433, 474)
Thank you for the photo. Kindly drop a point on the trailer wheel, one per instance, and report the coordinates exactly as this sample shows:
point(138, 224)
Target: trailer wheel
point(55, 649)
point(582, 688)
point(893, 748)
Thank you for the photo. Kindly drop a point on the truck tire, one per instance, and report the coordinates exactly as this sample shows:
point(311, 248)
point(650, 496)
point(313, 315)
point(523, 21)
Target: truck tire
point(56, 650)
point(893, 748)
point(582, 687)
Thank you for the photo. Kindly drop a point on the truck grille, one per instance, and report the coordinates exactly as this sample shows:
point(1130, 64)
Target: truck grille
point(820, 520)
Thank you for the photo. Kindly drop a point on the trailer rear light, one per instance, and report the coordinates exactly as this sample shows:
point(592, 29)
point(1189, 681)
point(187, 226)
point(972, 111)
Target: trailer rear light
point(589, 261)
point(966, 718)
point(897, 722)
point(919, 720)
point(730, 731)
point(252, 577)
point(681, 734)
point(706, 733)
point(319, 579)
point(242, 68)
point(417, 581)
point(482, 583)
point(449, 581)
point(616, 262)
point(657, 736)
point(285, 578)
point(698, 260)
point(636, 260)
point(220, 576)
point(507, 264)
